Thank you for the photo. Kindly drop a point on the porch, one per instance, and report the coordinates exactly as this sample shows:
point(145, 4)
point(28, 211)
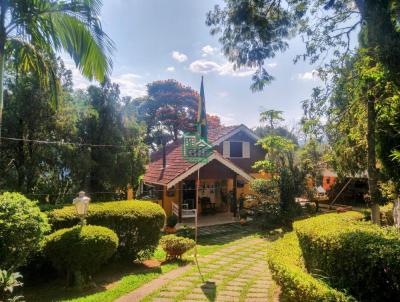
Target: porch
point(216, 187)
point(209, 220)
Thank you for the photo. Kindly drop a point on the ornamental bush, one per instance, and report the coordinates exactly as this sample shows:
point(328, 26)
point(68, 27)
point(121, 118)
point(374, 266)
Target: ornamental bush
point(137, 223)
point(287, 267)
point(176, 246)
point(387, 214)
point(80, 251)
point(267, 215)
point(266, 189)
point(172, 220)
point(353, 255)
point(22, 229)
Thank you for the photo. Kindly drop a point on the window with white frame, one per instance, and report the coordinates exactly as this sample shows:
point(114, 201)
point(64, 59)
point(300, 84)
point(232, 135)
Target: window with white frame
point(236, 149)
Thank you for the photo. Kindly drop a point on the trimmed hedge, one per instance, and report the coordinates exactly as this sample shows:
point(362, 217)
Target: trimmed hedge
point(137, 223)
point(80, 251)
point(355, 256)
point(287, 267)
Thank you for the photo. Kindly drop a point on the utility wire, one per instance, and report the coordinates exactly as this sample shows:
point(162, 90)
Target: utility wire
point(144, 192)
point(62, 142)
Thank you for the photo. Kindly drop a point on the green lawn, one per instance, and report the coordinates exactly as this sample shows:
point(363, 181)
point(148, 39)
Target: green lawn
point(117, 279)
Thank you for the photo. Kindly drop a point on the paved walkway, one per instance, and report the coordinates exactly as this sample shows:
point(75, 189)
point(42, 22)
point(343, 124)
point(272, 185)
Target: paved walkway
point(237, 272)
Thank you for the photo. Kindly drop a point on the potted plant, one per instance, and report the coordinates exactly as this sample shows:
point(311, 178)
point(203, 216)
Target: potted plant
point(172, 220)
point(243, 216)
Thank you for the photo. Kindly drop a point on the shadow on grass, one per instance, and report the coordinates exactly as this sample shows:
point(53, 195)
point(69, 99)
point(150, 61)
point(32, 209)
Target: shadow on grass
point(224, 234)
point(210, 290)
point(236, 231)
point(107, 279)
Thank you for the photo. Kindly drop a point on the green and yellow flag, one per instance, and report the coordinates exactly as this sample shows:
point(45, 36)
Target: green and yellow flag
point(201, 114)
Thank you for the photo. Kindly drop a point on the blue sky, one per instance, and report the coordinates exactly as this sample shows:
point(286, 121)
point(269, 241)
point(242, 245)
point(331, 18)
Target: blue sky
point(162, 39)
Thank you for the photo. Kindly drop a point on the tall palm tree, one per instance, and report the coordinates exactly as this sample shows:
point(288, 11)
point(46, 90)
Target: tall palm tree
point(271, 117)
point(33, 31)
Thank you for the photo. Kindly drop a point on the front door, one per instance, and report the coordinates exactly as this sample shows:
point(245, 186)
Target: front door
point(189, 194)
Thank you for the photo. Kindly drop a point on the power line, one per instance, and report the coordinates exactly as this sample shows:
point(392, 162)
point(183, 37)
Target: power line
point(62, 143)
point(147, 191)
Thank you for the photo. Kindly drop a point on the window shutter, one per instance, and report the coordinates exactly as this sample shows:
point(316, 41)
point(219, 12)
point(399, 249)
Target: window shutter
point(226, 149)
point(246, 149)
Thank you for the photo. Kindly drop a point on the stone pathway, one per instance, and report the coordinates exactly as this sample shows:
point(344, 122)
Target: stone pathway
point(237, 272)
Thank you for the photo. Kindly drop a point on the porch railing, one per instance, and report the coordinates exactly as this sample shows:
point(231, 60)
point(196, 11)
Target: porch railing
point(188, 213)
point(175, 209)
point(185, 212)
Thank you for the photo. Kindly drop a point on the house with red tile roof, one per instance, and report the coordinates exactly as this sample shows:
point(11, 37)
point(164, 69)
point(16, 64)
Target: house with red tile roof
point(226, 173)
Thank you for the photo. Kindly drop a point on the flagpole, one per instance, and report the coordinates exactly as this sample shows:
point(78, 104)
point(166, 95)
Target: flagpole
point(196, 223)
point(197, 206)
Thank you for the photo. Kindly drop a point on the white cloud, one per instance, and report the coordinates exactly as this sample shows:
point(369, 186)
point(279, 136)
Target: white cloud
point(227, 120)
point(308, 75)
point(228, 69)
point(129, 85)
point(223, 94)
point(178, 56)
point(170, 69)
point(78, 80)
point(208, 50)
point(206, 66)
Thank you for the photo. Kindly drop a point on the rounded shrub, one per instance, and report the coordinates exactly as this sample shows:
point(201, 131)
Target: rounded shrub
point(176, 246)
point(22, 229)
point(137, 223)
point(80, 251)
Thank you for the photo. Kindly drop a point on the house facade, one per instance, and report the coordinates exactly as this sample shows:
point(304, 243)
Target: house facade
point(226, 173)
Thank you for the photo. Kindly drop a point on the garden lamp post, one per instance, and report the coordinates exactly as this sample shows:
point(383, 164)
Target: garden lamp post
point(81, 205)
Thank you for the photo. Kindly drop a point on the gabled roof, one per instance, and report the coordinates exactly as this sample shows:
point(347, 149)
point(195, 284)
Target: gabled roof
point(176, 165)
point(215, 134)
point(224, 135)
point(215, 156)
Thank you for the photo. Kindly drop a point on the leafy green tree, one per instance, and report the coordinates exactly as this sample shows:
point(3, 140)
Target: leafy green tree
point(254, 31)
point(32, 31)
point(54, 172)
point(262, 131)
point(271, 117)
point(365, 91)
point(169, 108)
point(286, 177)
point(312, 152)
point(26, 166)
point(121, 161)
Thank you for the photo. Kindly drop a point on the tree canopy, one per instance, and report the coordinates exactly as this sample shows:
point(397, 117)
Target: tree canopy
point(253, 31)
point(169, 109)
point(33, 31)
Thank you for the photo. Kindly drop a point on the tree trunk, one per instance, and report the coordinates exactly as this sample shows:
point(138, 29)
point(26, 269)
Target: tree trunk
point(3, 37)
point(2, 59)
point(372, 171)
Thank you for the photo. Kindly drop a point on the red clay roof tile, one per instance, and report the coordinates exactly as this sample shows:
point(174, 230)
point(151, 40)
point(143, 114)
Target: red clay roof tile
point(175, 163)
